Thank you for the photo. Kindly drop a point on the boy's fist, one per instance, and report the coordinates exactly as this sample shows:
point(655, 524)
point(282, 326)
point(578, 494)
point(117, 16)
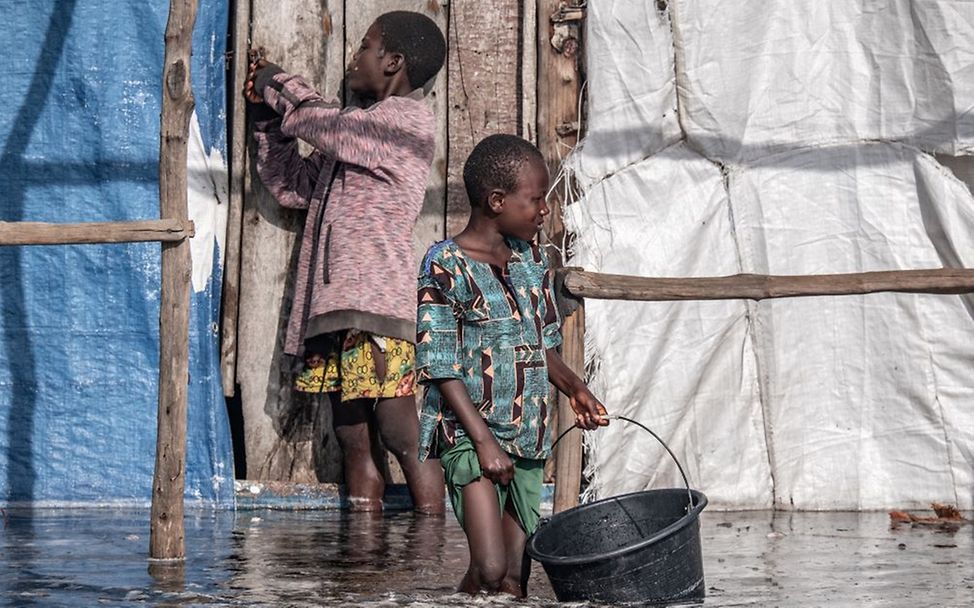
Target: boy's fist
point(590, 414)
point(256, 62)
point(495, 464)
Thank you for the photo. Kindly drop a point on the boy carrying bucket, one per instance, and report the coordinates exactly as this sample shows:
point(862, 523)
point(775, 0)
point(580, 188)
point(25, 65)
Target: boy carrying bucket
point(487, 328)
point(354, 319)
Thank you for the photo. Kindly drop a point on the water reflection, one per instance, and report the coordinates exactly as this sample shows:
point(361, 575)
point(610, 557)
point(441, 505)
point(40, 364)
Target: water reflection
point(20, 554)
point(275, 558)
point(169, 579)
point(331, 555)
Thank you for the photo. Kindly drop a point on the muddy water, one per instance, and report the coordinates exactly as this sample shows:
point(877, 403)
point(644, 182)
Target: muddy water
point(279, 558)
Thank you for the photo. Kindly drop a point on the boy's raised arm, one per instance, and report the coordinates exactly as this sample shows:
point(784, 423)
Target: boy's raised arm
point(288, 175)
point(352, 135)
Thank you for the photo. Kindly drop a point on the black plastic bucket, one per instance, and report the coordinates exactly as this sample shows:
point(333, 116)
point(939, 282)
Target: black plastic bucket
point(637, 548)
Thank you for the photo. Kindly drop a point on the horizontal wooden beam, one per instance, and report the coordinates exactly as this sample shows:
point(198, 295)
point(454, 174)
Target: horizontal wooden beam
point(40, 233)
point(594, 285)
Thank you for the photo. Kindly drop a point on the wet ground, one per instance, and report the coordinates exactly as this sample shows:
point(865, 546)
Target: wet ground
point(327, 558)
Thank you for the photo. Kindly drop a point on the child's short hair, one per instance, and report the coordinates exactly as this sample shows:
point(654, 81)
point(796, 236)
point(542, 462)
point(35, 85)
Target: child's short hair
point(418, 39)
point(495, 163)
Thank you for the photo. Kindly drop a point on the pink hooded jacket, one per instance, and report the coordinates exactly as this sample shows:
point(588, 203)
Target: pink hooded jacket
point(363, 187)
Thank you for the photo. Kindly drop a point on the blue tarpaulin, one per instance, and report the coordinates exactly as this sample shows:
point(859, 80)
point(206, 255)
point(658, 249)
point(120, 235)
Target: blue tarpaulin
point(79, 335)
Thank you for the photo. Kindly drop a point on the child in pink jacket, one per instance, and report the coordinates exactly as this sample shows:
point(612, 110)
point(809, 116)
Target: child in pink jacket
point(354, 314)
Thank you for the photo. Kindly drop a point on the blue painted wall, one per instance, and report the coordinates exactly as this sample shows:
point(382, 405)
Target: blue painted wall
point(80, 324)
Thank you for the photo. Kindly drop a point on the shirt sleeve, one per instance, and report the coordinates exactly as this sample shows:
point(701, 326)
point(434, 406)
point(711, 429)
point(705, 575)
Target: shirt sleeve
point(362, 137)
point(286, 174)
point(438, 329)
point(551, 323)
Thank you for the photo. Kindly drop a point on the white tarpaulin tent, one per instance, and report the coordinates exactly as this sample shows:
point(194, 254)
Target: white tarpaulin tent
point(788, 138)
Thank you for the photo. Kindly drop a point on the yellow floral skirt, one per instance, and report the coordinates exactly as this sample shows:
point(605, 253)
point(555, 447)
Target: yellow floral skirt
point(347, 364)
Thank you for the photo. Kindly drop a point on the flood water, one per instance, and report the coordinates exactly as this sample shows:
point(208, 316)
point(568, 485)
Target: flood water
point(329, 558)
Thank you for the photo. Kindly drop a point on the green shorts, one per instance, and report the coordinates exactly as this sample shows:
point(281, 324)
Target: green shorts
point(461, 466)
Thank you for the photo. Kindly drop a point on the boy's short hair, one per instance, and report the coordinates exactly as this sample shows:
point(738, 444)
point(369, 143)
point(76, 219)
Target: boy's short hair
point(495, 163)
point(418, 39)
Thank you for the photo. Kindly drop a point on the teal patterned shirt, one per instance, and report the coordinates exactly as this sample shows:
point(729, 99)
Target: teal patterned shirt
point(489, 327)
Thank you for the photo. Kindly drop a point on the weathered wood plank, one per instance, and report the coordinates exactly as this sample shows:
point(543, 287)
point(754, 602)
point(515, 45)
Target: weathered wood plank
point(41, 233)
point(286, 434)
point(485, 65)
point(759, 287)
point(166, 519)
point(529, 71)
point(558, 91)
point(431, 226)
point(230, 295)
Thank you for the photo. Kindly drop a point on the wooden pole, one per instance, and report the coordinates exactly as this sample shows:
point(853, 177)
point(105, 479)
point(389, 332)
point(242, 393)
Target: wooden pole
point(166, 527)
point(759, 287)
point(568, 462)
point(41, 233)
point(238, 167)
point(558, 36)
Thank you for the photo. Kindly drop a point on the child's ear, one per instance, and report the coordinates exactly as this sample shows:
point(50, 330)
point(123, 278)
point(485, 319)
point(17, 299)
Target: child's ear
point(495, 201)
point(395, 62)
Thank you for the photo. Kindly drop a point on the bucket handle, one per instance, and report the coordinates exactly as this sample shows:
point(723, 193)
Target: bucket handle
point(657, 437)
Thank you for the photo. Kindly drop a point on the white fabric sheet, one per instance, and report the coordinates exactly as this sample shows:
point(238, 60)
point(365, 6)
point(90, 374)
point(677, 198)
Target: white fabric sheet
point(687, 369)
point(631, 90)
point(869, 398)
point(807, 126)
point(764, 77)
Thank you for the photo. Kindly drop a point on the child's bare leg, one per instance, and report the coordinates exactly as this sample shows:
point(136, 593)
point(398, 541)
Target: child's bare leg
point(518, 563)
point(399, 429)
point(363, 477)
point(485, 537)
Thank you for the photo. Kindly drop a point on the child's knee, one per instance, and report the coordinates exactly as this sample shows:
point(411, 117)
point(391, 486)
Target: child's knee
point(399, 443)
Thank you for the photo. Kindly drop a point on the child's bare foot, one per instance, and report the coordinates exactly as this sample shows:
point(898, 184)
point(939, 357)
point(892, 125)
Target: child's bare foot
point(469, 584)
point(513, 587)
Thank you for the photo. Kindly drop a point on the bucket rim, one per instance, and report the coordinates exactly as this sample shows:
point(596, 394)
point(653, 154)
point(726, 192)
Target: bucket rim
point(699, 499)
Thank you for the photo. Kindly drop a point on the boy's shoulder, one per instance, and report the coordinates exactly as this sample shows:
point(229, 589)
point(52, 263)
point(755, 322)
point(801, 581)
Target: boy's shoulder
point(414, 104)
point(445, 266)
point(445, 254)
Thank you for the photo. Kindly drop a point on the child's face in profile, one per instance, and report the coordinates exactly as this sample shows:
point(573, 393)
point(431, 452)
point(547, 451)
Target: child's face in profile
point(366, 74)
point(524, 209)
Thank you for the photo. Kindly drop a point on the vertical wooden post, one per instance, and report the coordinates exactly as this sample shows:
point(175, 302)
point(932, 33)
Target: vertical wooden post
point(238, 163)
point(568, 454)
point(166, 527)
point(558, 120)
